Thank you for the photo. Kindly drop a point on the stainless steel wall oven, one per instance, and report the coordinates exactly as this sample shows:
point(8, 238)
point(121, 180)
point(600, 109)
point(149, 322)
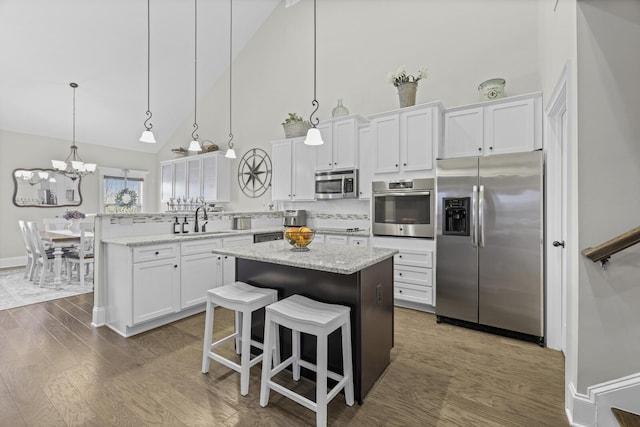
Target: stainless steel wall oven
point(404, 208)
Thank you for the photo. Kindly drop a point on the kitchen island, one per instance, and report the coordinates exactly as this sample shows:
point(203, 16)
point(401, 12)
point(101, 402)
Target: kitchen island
point(358, 277)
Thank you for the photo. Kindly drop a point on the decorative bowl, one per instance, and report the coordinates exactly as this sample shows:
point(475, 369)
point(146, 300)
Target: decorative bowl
point(492, 89)
point(299, 238)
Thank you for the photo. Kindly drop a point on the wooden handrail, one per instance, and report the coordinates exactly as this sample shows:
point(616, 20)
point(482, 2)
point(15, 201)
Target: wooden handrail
point(603, 251)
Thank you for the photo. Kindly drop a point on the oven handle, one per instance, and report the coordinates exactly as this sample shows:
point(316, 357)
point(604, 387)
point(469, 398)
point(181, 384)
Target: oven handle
point(408, 193)
point(474, 219)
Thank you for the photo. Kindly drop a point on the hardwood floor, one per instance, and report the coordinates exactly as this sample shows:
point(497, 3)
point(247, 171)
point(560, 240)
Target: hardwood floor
point(57, 370)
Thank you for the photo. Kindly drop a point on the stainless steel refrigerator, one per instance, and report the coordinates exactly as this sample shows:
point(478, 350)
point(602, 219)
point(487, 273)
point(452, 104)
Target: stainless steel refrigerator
point(489, 242)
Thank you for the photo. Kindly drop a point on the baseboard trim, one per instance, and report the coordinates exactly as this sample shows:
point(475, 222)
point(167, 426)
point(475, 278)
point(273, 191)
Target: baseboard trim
point(18, 261)
point(99, 317)
point(594, 408)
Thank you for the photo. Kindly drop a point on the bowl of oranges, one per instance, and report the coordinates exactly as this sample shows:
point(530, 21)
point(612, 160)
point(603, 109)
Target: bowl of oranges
point(299, 237)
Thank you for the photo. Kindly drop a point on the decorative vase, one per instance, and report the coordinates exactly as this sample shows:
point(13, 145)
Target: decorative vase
point(339, 110)
point(407, 94)
point(74, 227)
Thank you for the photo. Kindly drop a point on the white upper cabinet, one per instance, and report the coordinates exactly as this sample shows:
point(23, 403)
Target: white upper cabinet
point(404, 140)
point(340, 148)
point(507, 125)
point(293, 170)
point(205, 175)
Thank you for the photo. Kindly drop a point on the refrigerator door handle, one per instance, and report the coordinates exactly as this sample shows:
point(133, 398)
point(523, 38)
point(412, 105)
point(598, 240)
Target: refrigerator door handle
point(481, 217)
point(474, 217)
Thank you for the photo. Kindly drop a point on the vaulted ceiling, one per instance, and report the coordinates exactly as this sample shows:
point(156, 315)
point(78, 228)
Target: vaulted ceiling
point(102, 46)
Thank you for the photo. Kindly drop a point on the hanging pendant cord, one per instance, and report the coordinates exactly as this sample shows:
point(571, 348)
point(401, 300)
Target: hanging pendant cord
point(194, 135)
point(315, 103)
point(230, 71)
point(147, 124)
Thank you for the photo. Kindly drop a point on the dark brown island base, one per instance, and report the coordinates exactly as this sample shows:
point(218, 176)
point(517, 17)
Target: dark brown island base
point(358, 277)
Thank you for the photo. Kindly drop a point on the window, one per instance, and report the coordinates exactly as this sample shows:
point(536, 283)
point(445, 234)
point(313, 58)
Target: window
point(122, 191)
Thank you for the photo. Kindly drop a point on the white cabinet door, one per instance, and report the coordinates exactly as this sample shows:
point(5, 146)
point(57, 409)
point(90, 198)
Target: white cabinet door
point(156, 289)
point(281, 176)
point(509, 127)
point(167, 181)
point(358, 241)
point(324, 153)
point(345, 139)
point(417, 140)
point(193, 177)
point(463, 136)
point(216, 177)
point(385, 132)
point(365, 169)
point(229, 262)
point(303, 173)
point(199, 273)
point(180, 179)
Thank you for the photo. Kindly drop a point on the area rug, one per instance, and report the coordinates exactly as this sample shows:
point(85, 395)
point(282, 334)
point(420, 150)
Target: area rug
point(16, 291)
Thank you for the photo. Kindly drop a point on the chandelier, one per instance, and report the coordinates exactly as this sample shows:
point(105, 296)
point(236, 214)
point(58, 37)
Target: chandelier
point(33, 178)
point(73, 166)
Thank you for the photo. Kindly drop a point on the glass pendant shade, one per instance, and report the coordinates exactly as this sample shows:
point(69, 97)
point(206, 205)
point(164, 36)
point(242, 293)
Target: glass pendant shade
point(230, 154)
point(147, 136)
point(58, 164)
point(194, 146)
point(313, 137)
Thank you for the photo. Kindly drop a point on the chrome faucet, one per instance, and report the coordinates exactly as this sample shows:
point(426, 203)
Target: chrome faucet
point(205, 217)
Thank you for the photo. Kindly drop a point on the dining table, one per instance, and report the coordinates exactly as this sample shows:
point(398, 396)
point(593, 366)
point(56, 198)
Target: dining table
point(59, 239)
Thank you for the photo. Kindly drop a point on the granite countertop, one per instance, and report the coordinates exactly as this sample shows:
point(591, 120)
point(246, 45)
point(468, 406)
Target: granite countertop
point(342, 259)
point(177, 238)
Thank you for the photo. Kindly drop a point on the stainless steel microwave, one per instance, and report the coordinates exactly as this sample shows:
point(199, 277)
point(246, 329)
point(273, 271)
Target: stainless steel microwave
point(404, 208)
point(337, 184)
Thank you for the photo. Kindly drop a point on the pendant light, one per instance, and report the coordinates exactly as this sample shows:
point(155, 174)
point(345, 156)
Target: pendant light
point(73, 166)
point(231, 153)
point(195, 144)
point(147, 135)
point(313, 134)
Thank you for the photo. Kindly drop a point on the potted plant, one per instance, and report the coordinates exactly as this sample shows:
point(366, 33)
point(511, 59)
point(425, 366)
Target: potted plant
point(294, 126)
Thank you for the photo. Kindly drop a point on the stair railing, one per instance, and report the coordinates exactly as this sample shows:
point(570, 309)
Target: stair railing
point(603, 251)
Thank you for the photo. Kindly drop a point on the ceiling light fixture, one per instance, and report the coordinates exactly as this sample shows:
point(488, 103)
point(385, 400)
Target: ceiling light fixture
point(73, 166)
point(195, 144)
point(231, 153)
point(147, 135)
point(313, 134)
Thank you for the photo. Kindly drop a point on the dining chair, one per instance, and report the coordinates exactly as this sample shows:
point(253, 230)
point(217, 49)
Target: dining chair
point(28, 270)
point(43, 257)
point(82, 255)
point(55, 224)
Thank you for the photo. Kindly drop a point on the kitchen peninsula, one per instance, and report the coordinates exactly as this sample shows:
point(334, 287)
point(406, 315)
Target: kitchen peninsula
point(359, 277)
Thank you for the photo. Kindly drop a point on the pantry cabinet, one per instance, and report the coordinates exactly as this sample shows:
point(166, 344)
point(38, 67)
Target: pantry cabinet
point(340, 148)
point(507, 125)
point(293, 175)
point(205, 175)
point(365, 163)
point(403, 140)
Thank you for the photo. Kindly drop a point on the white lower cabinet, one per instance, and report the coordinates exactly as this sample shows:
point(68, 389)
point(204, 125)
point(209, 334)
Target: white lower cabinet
point(358, 241)
point(341, 239)
point(156, 289)
point(201, 270)
point(413, 275)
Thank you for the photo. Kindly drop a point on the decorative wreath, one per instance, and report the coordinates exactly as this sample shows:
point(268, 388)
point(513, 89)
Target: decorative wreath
point(126, 198)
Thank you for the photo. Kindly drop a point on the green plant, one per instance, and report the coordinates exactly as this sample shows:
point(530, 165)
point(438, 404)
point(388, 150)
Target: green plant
point(293, 117)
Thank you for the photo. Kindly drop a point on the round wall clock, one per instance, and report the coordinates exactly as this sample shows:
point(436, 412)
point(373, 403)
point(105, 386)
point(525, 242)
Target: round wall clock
point(254, 172)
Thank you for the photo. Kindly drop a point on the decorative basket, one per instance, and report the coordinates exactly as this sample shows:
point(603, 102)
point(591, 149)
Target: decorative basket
point(296, 129)
point(209, 146)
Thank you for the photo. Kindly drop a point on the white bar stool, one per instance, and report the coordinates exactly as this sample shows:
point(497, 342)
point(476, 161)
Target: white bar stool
point(244, 299)
point(301, 314)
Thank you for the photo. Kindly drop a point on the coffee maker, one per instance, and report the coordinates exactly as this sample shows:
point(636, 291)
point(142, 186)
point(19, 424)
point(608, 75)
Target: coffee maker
point(294, 218)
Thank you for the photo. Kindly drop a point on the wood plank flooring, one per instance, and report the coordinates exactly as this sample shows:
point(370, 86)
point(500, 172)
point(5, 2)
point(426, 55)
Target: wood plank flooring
point(57, 370)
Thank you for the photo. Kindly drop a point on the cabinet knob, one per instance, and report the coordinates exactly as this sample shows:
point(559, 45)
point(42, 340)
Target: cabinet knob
point(225, 257)
point(399, 256)
point(399, 290)
point(335, 163)
point(157, 253)
point(479, 148)
point(404, 164)
point(490, 148)
point(396, 165)
point(399, 274)
point(175, 266)
point(329, 163)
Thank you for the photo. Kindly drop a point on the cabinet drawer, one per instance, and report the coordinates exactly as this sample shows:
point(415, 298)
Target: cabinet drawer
point(415, 275)
point(415, 258)
point(149, 253)
point(358, 241)
point(200, 246)
point(423, 294)
point(237, 241)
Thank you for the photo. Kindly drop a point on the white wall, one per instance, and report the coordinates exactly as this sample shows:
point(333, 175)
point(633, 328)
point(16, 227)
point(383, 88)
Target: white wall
point(462, 42)
point(31, 151)
point(609, 187)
